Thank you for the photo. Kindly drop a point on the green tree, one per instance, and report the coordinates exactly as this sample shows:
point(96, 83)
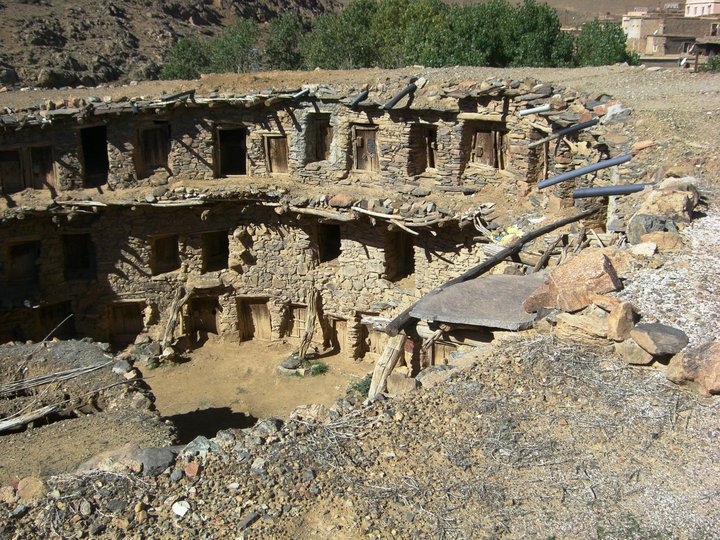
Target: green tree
point(186, 60)
point(234, 51)
point(411, 32)
point(282, 50)
point(601, 43)
point(481, 34)
point(537, 38)
point(342, 41)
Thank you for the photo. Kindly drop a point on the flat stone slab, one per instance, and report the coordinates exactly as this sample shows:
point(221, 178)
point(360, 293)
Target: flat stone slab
point(494, 301)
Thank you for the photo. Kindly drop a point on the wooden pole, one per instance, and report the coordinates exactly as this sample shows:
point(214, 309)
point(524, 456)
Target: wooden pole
point(402, 320)
point(312, 313)
point(385, 364)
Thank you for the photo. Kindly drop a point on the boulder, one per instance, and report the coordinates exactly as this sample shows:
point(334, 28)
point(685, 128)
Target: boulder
point(31, 489)
point(633, 353)
point(699, 366)
point(571, 286)
point(659, 339)
point(154, 460)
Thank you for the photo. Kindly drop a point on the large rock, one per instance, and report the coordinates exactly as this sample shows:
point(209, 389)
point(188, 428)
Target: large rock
point(659, 339)
point(662, 211)
point(572, 286)
point(620, 321)
point(31, 489)
point(398, 384)
point(699, 366)
point(590, 328)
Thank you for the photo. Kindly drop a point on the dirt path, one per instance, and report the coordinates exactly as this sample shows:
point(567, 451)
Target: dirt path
point(229, 385)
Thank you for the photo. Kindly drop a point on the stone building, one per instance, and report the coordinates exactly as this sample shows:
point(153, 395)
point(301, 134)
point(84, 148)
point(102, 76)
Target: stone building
point(189, 214)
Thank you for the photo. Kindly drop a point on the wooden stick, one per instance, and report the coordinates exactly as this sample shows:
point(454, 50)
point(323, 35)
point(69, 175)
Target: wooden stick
point(327, 214)
point(373, 214)
point(385, 364)
point(177, 304)
point(403, 227)
point(545, 257)
point(399, 322)
point(18, 421)
point(9, 389)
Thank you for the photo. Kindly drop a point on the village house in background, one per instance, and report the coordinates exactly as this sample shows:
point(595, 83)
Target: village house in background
point(673, 30)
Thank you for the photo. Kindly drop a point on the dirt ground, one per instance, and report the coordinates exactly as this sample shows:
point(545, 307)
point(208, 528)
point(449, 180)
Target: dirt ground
point(227, 384)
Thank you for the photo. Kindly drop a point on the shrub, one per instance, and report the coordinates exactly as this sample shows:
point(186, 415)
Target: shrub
point(186, 60)
point(361, 386)
point(318, 368)
point(282, 50)
point(233, 51)
point(712, 65)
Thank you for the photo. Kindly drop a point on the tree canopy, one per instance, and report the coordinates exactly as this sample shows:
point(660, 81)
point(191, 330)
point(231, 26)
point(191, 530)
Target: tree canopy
point(395, 33)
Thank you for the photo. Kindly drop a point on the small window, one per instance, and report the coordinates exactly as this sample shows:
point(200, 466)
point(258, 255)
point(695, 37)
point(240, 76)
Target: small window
point(276, 150)
point(399, 255)
point(165, 256)
point(11, 177)
point(78, 256)
point(488, 144)
point(328, 241)
point(365, 148)
point(231, 151)
point(318, 137)
point(94, 155)
point(423, 148)
point(22, 272)
point(215, 251)
point(155, 146)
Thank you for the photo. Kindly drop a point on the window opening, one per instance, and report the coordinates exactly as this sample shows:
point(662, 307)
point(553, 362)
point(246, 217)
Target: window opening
point(165, 254)
point(94, 154)
point(215, 251)
point(78, 256)
point(319, 135)
point(231, 151)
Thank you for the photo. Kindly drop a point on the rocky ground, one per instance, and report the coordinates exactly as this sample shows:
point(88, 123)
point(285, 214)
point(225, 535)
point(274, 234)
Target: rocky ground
point(538, 437)
point(60, 43)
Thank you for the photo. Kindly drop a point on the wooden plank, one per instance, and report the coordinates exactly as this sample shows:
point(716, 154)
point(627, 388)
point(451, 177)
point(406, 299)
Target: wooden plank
point(385, 364)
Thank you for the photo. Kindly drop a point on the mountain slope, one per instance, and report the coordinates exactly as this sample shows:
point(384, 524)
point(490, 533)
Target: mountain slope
point(61, 43)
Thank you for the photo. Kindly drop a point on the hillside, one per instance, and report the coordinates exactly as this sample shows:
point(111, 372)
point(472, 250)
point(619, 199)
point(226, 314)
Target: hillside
point(61, 43)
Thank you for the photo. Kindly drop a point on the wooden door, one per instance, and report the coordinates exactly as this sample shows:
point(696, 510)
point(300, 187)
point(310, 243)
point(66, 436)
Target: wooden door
point(366, 152)
point(277, 150)
point(11, 171)
point(483, 148)
point(254, 319)
point(126, 322)
point(298, 319)
point(204, 313)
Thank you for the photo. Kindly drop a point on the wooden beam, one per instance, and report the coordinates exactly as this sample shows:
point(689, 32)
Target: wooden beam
point(385, 364)
point(399, 322)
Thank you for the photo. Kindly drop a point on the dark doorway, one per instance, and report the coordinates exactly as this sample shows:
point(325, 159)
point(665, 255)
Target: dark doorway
point(328, 241)
point(56, 320)
point(42, 170)
point(23, 267)
point(204, 314)
point(126, 322)
point(95, 164)
point(78, 256)
point(11, 180)
point(231, 151)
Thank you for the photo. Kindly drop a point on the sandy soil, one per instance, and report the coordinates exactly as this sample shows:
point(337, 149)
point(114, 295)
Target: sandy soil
point(228, 384)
